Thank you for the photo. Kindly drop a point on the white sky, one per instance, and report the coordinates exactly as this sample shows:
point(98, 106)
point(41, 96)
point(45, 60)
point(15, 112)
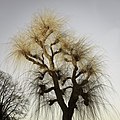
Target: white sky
point(98, 19)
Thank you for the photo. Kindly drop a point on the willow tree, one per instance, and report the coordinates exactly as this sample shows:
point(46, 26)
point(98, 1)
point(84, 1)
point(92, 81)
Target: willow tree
point(65, 70)
point(13, 104)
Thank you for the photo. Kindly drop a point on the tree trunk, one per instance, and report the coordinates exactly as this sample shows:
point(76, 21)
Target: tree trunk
point(68, 114)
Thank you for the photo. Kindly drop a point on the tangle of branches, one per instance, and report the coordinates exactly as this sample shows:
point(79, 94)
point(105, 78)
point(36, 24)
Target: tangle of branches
point(13, 104)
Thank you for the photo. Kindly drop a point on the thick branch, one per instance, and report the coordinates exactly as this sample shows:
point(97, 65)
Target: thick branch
point(37, 58)
point(72, 103)
point(49, 89)
point(35, 62)
point(74, 94)
point(58, 92)
point(47, 35)
point(74, 75)
point(63, 82)
point(80, 73)
point(50, 58)
point(51, 102)
point(56, 52)
point(64, 89)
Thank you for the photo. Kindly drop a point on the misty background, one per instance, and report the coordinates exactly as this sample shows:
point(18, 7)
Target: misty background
point(99, 20)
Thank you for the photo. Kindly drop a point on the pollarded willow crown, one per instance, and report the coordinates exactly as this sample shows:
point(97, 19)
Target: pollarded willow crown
point(67, 72)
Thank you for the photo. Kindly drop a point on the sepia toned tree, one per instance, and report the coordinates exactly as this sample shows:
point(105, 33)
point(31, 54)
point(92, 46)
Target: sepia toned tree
point(65, 71)
point(13, 104)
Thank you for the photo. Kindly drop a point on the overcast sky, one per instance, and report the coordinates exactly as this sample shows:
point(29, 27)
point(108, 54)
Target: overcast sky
point(98, 19)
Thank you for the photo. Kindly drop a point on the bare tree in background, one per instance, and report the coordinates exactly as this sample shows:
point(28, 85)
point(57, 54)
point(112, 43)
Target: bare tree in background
point(65, 70)
point(13, 104)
